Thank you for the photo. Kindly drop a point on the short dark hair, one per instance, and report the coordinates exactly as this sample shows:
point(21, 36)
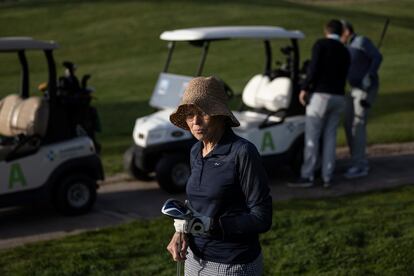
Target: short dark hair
point(334, 27)
point(347, 25)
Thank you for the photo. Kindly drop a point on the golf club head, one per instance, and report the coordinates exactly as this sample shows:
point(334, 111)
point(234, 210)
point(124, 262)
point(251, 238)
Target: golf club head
point(176, 209)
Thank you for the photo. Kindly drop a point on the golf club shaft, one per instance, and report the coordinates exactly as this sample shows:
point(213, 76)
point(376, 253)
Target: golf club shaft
point(384, 30)
point(179, 262)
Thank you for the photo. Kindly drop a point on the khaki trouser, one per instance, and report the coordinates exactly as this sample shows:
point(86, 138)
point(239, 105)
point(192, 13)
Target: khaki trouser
point(355, 124)
point(322, 118)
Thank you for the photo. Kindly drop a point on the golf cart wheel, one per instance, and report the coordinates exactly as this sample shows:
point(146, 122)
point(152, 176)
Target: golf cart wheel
point(75, 195)
point(131, 168)
point(172, 172)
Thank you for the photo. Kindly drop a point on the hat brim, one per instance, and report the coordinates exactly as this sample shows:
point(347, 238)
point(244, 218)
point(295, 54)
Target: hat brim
point(178, 117)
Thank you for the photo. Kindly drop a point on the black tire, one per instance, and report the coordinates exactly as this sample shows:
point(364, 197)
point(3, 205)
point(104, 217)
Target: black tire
point(172, 172)
point(75, 194)
point(131, 168)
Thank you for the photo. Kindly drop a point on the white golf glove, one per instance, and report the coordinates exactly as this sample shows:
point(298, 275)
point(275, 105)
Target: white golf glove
point(180, 225)
point(196, 225)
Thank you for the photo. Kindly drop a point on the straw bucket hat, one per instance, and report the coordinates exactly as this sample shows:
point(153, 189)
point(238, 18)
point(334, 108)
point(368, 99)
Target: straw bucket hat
point(208, 94)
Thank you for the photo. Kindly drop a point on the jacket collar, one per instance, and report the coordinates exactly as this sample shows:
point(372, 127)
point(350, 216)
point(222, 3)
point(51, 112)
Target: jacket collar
point(351, 38)
point(223, 146)
point(333, 36)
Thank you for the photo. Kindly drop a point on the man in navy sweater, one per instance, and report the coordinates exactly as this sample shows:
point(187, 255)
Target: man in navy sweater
point(363, 78)
point(323, 91)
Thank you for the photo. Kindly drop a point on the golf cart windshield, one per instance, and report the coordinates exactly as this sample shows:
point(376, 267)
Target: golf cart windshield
point(169, 90)
point(170, 87)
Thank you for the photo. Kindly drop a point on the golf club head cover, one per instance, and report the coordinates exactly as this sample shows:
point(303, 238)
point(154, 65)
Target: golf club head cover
point(198, 224)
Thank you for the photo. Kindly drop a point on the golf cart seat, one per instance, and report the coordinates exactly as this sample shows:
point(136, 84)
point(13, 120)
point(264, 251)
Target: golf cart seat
point(30, 117)
point(254, 88)
point(24, 118)
point(27, 117)
point(8, 106)
point(276, 95)
point(270, 98)
point(261, 93)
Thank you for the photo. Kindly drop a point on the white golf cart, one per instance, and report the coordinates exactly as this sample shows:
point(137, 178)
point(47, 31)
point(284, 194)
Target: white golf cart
point(271, 116)
point(46, 152)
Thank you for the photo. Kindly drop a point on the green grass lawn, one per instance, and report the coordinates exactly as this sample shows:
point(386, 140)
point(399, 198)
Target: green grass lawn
point(371, 234)
point(118, 43)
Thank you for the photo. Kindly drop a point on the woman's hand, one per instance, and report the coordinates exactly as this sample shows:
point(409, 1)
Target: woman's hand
point(178, 247)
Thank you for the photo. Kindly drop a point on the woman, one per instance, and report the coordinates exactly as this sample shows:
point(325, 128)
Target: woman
point(227, 184)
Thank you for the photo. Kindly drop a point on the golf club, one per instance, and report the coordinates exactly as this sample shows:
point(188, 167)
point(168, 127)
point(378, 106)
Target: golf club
point(175, 209)
point(384, 30)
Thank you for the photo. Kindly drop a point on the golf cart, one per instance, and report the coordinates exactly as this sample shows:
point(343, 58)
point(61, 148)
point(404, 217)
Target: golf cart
point(271, 116)
point(47, 150)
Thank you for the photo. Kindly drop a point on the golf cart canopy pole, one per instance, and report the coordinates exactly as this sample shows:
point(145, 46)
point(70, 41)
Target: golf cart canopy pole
point(171, 46)
point(25, 74)
point(295, 75)
point(268, 63)
point(52, 75)
point(206, 44)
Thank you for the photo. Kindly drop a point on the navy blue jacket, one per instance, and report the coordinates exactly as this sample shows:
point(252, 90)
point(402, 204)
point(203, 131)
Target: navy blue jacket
point(231, 186)
point(365, 60)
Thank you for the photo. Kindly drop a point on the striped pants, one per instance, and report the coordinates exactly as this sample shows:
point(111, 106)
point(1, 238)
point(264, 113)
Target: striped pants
point(195, 266)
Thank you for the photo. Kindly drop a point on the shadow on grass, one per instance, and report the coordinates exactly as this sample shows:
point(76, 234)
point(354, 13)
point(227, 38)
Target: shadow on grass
point(332, 11)
point(393, 102)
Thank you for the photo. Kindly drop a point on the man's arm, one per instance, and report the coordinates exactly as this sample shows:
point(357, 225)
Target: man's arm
point(312, 72)
point(373, 53)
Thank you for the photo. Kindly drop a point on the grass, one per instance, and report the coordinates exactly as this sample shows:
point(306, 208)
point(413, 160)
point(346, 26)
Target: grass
point(371, 234)
point(118, 43)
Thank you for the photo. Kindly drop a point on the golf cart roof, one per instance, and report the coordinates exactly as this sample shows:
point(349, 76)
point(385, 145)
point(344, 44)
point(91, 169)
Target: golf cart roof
point(25, 43)
point(230, 32)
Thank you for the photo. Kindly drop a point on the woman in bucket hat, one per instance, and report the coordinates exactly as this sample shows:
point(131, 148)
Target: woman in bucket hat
point(227, 190)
